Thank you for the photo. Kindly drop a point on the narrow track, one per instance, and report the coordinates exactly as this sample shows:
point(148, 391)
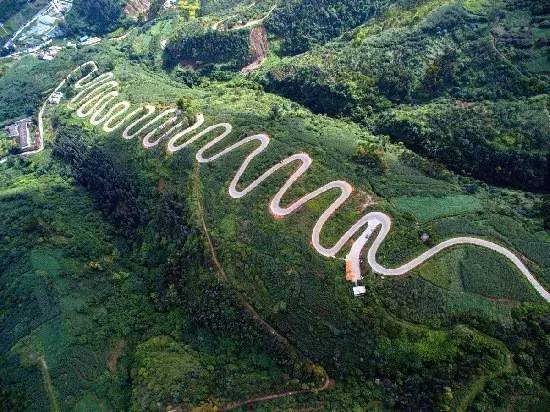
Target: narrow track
point(326, 385)
point(223, 277)
point(266, 327)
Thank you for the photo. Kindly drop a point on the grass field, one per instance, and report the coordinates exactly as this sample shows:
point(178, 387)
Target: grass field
point(431, 208)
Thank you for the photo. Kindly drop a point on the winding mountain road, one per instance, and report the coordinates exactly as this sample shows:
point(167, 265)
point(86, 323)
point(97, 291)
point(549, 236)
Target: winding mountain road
point(97, 100)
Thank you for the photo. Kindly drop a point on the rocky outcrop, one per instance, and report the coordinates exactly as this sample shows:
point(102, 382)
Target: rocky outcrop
point(259, 48)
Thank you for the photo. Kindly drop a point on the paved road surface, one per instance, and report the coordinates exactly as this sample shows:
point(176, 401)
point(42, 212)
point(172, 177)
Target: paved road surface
point(97, 100)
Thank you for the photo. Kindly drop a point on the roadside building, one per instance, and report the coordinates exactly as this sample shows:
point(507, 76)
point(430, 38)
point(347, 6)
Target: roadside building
point(55, 98)
point(54, 50)
point(20, 132)
point(12, 131)
point(10, 45)
point(45, 56)
point(90, 41)
point(359, 290)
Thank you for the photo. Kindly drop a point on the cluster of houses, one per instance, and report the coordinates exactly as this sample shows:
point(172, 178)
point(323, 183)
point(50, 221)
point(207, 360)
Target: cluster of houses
point(45, 25)
point(39, 31)
point(49, 53)
point(24, 134)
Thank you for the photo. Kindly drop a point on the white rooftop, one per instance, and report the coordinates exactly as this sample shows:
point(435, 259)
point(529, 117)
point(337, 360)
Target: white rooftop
point(359, 290)
point(47, 20)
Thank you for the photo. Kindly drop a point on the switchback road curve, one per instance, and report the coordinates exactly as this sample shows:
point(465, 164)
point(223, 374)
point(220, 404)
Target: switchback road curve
point(97, 99)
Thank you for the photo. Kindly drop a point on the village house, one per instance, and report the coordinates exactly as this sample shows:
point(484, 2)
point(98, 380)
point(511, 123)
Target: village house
point(55, 98)
point(20, 133)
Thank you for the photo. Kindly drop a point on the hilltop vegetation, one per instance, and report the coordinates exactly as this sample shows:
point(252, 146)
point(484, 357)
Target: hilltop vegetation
point(304, 24)
point(421, 67)
point(411, 70)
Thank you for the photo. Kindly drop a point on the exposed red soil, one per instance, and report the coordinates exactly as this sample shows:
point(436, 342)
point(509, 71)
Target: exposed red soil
point(259, 48)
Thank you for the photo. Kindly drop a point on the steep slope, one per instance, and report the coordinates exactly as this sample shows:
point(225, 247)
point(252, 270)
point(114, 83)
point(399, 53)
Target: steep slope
point(421, 67)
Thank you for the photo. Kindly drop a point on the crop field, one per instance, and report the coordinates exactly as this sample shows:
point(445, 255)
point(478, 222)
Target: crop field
point(430, 208)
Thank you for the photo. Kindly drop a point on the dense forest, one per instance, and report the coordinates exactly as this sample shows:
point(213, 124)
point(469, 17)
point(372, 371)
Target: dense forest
point(95, 16)
point(198, 46)
point(464, 55)
point(304, 24)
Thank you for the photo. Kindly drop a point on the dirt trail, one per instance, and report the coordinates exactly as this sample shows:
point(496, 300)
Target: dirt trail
point(327, 384)
point(112, 362)
point(222, 275)
point(478, 383)
point(48, 386)
point(251, 23)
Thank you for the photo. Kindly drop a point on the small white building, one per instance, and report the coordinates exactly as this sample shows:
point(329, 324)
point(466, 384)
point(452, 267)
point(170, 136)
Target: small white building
point(55, 98)
point(359, 290)
point(45, 56)
point(90, 41)
point(54, 50)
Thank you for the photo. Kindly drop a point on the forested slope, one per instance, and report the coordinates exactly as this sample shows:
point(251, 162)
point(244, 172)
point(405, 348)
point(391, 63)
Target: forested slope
point(420, 68)
point(95, 16)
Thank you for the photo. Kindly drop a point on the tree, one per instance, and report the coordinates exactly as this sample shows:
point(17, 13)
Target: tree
point(275, 112)
point(96, 16)
point(373, 159)
point(188, 108)
point(6, 145)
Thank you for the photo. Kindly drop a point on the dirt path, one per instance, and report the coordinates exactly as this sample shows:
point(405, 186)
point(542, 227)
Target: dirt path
point(222, 275)
point(255, 65)
point(503, 56)
point(251, 23)
point(327, 383)
point(478, 383)
point(46, 379)
point(112, 362)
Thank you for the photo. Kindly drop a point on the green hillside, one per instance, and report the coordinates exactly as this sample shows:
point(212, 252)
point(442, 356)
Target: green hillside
point(420, 67)
point(131, 280)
